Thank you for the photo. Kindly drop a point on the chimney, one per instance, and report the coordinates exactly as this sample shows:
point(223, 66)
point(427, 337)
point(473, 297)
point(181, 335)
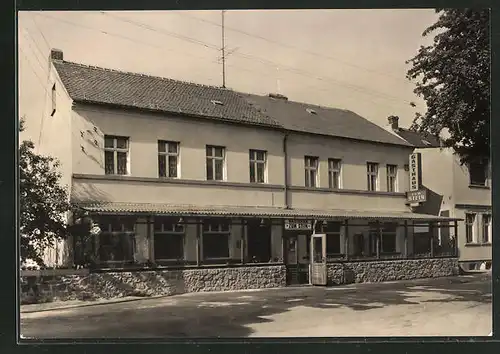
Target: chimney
point(393, 122)
point(278, 96)
point(56, 54)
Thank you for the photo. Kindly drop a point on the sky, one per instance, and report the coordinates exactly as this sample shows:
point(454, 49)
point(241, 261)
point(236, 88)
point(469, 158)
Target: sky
point(350, 59)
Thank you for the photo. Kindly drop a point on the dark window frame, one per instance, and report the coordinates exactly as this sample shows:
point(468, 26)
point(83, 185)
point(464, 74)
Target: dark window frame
point(372, 176)
point(486, 228)
point(115, 151)
point(334, 173)
point(167, 155)
point(469, 227)
point(223, 230)
point(478, 173)
point(256, 165)
point(311, 169)
point(386, 233)
point(211, 162)
point(392, 177)
point(116, 227)
point(380, 231)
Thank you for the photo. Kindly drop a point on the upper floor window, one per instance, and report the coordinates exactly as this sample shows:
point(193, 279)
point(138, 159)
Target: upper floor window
point(168, 159)
point(372, 176)
point(392, 177)
point(311, 171)
point(334, 169)
point(470, 220)
point(116, 150)
point(486, 228)
point(215, 163)
point(53, 93)
point(257, 166)
point(478, 171)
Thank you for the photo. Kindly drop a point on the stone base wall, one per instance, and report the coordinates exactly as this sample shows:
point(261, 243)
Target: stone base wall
point(361, 272)
point(156, 283)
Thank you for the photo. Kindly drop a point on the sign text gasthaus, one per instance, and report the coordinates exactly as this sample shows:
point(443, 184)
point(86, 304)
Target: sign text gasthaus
point(415, 171)
point(298, 225)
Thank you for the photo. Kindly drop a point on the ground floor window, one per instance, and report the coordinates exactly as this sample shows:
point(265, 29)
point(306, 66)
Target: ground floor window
point(216, 239)
point(383, 238)
point(332, 230)
point(422, 242)
point(168, 239)
point(388, 238)
point(117, 239)
point(258, 241)
point(486, 228)
point(358, 245)
point(470, 220)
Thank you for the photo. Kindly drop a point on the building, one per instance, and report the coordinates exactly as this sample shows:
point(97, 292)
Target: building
point(230, 190)
point(456, 190)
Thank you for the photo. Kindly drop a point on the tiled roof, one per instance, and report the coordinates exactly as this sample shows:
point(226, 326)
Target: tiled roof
point(303, 117)
point(242, 211)
point(417, 139)
point(91, 84)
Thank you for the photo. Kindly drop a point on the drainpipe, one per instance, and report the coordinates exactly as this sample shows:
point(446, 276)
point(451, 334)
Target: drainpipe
point(285, 151)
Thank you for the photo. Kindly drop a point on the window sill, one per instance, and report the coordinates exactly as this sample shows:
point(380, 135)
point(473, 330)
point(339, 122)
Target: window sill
point(345, 191)
point(474, 244)
point(117, 175)
point(178, 180)
point(169, 260)
point(478, 186)
point(478, 244)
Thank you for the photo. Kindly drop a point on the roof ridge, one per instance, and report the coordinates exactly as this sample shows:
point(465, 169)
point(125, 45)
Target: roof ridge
point(143, 75)
point(300, 102)
point(191, 83)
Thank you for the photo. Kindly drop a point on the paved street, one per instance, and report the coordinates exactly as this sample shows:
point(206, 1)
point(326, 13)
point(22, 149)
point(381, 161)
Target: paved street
point(445, 307)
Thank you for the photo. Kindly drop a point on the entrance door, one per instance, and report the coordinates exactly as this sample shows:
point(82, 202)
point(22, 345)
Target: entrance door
point(258, 242)
point(292, 260)
point(318, 259)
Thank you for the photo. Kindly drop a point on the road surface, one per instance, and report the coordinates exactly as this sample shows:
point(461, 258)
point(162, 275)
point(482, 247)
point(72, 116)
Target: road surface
point(458, 306)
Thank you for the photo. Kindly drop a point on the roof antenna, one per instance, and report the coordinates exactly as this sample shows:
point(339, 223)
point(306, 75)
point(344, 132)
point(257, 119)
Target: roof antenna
point(278, 88)
point(223, 50)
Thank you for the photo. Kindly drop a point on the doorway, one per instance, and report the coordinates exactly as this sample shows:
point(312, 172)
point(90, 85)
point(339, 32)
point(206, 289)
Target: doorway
point(258, 242)
point(297, 266)
point(318, 260)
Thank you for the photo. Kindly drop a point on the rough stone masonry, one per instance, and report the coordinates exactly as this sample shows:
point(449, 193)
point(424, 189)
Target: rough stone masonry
point(170, 282)
point(362, 272)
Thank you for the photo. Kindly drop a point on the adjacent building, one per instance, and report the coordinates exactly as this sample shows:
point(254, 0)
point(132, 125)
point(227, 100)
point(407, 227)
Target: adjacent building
point(254, 191)
point(456, 190)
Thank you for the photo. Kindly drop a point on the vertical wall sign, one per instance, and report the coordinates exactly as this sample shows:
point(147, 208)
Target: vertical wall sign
point(415, 171)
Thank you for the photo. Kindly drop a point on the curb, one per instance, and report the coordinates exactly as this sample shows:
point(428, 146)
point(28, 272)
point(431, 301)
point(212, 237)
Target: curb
point(106, 302)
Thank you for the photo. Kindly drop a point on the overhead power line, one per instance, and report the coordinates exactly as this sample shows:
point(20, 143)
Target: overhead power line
point(294, 47)
point(269, 62)
point(236, 67)
point(130, 39)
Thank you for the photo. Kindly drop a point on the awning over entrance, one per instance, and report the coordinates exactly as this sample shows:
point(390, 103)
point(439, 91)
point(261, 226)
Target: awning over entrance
point(247, 211)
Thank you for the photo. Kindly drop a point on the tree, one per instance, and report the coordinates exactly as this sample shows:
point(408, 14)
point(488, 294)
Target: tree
point(453, 77)
point(43, 202)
